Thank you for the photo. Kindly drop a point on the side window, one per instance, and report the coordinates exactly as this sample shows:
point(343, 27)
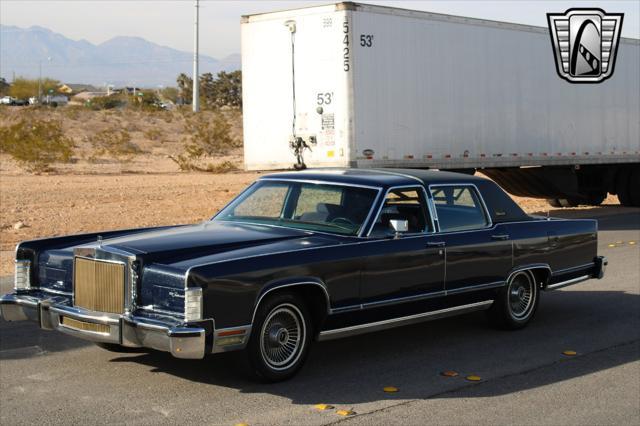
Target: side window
point(405, 204)
point(459, 208)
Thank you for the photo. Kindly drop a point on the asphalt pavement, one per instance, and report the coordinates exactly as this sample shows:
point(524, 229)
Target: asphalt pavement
point(50, 378)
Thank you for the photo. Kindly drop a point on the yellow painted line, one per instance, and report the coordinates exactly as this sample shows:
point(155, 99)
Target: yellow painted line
point(612, 245)
point(449, 373)
point(345, 412)
point(474, 378)
point(569, 353)
point(323, 407)
point(390, 389)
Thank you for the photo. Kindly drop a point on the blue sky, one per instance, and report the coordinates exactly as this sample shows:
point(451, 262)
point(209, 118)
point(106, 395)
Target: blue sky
point(170, 22)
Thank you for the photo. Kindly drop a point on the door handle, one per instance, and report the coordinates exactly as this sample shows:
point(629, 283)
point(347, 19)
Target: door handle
point(435, 244)
point(500, 237)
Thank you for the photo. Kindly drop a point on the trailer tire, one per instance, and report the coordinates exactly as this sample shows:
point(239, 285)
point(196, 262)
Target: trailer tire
point(595, 199)
point(623, 187)
point(568, 202)
point(634, 187)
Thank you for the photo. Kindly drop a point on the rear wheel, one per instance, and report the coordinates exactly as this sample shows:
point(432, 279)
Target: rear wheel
point(516, 303)
point(280, 337)
point(568, 202)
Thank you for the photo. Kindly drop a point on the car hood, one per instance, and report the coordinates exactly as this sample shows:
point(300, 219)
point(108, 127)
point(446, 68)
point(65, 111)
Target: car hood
point(193, 241)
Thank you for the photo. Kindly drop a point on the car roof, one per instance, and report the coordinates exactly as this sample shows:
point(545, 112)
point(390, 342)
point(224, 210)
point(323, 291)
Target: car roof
point(376, 177)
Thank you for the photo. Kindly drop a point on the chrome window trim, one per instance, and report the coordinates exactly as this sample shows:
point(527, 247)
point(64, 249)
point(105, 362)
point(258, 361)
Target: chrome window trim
point(483, 205)
point(312, 182)
point(427, 210)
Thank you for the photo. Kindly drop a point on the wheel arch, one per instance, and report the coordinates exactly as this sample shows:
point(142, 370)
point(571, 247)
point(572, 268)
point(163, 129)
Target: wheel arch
point(541, 273)
point(312, 290)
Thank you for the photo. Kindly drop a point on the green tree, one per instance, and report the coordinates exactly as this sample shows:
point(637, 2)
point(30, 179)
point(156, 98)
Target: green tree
point(170, 94)
point(207, 90)
point(185, 87)
point(4, 87)
point(227, 89)
point(24, 88)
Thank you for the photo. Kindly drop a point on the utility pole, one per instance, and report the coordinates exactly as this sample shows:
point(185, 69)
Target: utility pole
point(40, 82)
point(196, 79)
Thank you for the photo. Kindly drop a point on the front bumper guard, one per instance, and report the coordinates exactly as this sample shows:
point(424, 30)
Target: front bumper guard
point(127, 330)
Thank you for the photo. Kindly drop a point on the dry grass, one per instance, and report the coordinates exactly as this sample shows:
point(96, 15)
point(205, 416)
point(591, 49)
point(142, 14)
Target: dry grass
point(158, 135)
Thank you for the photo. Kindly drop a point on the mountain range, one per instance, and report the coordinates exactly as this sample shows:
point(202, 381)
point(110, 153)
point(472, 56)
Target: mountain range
point(130, 61)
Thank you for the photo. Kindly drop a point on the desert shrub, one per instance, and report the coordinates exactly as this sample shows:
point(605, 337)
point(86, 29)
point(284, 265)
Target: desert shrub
point(114, 143)
point(224, 167)
point(36, 144)
point(153, 134)
point(72, 112)
point(208, 137)
point(106, 102)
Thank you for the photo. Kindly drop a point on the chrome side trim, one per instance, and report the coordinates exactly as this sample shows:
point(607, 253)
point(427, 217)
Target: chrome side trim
point(396, 322)
point(405, 299)
point(573, 269)
point(467, 289)
point(278, 287)
point(568, 282)
point(359, 241)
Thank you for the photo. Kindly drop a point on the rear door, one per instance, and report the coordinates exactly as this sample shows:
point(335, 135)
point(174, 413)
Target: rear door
point(478, 253)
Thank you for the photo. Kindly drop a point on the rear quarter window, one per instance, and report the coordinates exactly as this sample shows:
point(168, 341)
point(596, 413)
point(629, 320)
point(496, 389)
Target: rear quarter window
point(459, 208)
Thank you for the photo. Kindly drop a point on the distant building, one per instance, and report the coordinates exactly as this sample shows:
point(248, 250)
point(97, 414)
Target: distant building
point(72, 89)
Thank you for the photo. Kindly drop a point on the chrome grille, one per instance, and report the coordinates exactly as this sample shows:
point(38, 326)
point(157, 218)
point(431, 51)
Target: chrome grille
point(99, 285)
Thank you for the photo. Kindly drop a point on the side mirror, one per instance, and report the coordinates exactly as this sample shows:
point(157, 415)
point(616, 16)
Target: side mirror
point(399, 226)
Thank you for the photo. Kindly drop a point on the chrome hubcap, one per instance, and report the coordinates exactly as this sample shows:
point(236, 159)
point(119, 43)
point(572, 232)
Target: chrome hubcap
point(521, 295)
point(282, 336)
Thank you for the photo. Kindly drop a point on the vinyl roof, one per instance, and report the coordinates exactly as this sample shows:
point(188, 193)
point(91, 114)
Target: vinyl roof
point(376, 177)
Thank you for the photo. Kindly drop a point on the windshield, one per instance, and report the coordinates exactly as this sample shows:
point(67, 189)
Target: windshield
point(309, 206)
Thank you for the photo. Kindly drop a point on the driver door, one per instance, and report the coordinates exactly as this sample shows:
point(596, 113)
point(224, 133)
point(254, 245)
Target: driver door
point(402, 268)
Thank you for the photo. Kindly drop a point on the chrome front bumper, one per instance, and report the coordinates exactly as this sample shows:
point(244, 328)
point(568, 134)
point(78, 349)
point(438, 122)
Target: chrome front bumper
point(126, 330)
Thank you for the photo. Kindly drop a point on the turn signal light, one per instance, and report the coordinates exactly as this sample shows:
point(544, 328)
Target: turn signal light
point(193, 304)
point(22, 275)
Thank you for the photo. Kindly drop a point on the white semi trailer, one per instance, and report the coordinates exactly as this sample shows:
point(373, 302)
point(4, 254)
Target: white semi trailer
point(359, 85)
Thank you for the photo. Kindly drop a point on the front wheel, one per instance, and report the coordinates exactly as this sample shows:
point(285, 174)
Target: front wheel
point(516, 303)
point(280, 337)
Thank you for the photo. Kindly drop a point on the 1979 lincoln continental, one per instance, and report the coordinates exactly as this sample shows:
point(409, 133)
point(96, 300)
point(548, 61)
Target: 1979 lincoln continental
point(300, 256)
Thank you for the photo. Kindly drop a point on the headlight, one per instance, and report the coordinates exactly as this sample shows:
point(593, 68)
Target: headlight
point(23, 275)
point(193, 304)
